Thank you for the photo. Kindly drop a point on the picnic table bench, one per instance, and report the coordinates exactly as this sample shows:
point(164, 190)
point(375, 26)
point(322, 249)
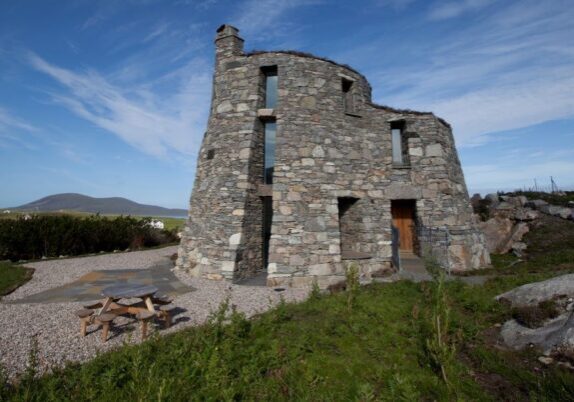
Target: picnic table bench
point(103, 313)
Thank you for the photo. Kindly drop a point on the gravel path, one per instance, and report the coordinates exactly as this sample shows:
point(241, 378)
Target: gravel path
point(56, 328)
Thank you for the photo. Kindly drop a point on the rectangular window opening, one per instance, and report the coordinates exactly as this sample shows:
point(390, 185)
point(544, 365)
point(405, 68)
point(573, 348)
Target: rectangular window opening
point(398, 144)
point(270, 74)
point(348, 224)
point(210, 154)
point(266, 227)
point(348, 100)
point(269, 151)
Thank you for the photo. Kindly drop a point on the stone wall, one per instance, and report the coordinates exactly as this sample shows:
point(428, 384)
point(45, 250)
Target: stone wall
point(323, 153)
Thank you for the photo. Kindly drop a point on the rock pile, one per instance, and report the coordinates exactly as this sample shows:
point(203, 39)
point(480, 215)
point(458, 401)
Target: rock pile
point(506, 219)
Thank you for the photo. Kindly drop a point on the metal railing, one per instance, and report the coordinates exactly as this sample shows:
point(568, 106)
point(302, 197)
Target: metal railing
point(396, 258)
point(433, 243)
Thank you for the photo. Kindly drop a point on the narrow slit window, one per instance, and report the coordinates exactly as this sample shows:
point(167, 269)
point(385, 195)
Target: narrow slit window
point(350, 225)
point(270, 87)
point(348, 101)
point(269, 156)
point(267, 225)
point(397, 145)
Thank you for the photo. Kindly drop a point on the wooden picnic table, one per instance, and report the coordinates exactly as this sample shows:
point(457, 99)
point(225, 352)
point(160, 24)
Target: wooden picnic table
point(115, 293)
point(110, 308)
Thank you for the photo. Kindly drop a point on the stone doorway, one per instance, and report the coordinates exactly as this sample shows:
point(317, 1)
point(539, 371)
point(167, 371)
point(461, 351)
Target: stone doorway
point(404, 215)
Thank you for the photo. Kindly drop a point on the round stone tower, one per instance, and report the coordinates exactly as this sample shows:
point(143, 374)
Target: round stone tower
point(300, 174)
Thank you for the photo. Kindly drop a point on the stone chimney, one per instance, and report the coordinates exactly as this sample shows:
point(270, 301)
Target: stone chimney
point(227, 42)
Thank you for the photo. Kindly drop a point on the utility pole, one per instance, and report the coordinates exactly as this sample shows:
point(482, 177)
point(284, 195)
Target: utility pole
point(553, 185)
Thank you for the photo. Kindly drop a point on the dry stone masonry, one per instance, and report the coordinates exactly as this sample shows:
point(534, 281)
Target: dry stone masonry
point(300, 173)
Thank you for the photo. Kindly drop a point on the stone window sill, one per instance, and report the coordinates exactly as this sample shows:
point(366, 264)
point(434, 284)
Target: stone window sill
point(355, 255)
point(401, 166)
point(353, 114)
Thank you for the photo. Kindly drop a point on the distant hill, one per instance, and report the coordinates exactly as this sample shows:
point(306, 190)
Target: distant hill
point(83, 203)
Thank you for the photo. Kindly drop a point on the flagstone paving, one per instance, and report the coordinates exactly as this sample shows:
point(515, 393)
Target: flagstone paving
point(89, 287)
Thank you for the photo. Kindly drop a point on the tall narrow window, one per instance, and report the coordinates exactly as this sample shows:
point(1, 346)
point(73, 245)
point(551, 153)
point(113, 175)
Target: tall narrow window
point(267, 224)
point(270, 130)
point(270, 86)
point(348, 101)
point(397, 145)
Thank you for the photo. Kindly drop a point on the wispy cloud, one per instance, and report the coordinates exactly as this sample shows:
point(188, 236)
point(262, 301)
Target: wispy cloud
point(396, 4)
point(151, 121)
point(15, 131)
point(9, 121)
point(256, 16)
point(507, 71)
point(452, 9)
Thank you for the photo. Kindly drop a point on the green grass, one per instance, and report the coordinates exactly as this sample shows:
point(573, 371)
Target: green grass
point(173, 223)
point(318, 350)
point(12, 276)
point(323, 349)
point(397, 342)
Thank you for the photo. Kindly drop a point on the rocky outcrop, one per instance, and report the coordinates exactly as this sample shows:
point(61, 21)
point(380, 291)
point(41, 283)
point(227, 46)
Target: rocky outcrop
point(561, 287)
point(554, 210)
point(507, 223)
point(555, 336)
point(502, 234)
point(506, 219)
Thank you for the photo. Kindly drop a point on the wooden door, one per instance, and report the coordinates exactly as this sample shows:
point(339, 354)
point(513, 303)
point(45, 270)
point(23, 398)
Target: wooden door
point(403, 212)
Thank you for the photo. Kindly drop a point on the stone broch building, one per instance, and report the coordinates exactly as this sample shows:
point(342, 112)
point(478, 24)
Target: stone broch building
point(300, 173)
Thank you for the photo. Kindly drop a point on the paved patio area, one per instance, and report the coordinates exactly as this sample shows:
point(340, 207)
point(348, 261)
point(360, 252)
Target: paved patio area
point(89, 287)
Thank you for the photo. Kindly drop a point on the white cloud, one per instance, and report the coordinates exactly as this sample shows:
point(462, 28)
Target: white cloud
point(9, 121)
point(14, 130)
point(510, 70)
point(452, 9)
point(149, 120)
point(396, 4)
point(258, 16)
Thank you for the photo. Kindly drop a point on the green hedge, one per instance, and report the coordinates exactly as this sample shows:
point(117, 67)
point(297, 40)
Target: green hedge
point(53, 236)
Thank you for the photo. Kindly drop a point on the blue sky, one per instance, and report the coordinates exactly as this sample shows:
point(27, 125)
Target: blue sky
point(110, 97)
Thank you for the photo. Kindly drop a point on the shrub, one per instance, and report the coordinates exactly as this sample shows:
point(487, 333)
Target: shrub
point(52, 236)
point(535, 316)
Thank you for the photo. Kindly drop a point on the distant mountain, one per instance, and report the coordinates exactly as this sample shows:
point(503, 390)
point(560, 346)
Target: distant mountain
point(83, 203)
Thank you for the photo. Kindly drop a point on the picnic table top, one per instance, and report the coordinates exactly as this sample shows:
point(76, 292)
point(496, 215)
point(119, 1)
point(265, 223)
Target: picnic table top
point(127, 291)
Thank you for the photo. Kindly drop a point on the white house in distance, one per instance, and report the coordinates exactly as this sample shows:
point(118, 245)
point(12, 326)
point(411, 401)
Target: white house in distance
point(156, 224)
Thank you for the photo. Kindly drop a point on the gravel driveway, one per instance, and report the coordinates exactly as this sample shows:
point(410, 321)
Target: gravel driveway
point(56, 328)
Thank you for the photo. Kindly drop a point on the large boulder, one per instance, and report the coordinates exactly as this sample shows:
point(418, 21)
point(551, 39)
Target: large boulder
point(496, 231)
point(555, 336)
point(493, 198)
point(531, 294)
point(501, 234)
point(526, 215)
point(536, 204)
point(564, 213)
